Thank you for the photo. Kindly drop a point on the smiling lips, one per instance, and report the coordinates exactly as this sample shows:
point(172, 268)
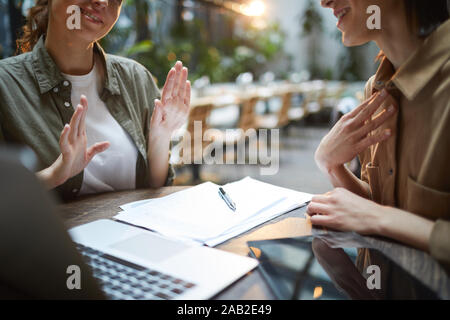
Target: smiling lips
point(340, 13)
point(91, 16)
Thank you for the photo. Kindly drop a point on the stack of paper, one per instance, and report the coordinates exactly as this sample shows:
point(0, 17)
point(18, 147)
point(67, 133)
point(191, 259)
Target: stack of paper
point(201, 215)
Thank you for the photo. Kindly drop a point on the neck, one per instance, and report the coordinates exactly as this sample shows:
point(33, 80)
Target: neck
point(398, 42)
point(71, 55)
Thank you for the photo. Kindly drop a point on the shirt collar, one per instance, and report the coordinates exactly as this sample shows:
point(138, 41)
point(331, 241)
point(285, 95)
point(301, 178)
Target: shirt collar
point(49, 76)
point(424, 63)
point(383, 75)
point(418, 70)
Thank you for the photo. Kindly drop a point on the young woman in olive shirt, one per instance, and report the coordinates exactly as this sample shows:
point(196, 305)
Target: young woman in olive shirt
point(126, 90)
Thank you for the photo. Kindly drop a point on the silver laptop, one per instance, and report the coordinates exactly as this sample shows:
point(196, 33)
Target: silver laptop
point(126, 262)
point(134, 263)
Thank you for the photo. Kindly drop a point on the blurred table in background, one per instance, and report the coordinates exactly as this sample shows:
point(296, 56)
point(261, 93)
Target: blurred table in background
point(223, 114)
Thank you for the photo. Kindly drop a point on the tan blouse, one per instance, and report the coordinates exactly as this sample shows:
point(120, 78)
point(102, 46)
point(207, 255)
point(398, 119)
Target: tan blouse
point(411, 170)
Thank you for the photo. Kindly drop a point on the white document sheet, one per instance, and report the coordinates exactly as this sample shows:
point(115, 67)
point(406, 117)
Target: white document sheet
point(135, 204)
point(200, 214)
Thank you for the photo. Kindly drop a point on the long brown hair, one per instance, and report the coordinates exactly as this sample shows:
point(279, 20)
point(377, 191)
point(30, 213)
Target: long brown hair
point(36, 25)
point(425, 16)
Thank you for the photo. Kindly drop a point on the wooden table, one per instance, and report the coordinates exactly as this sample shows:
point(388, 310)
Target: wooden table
point(252, 286)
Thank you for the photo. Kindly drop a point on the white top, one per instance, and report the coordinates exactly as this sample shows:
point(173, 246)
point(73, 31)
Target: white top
point(115, 168)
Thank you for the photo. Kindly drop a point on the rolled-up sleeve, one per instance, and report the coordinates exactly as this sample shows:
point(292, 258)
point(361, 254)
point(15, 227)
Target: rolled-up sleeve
point(440, 242)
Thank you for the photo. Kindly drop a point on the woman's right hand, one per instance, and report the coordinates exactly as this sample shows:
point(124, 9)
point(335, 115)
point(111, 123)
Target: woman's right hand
point(350, 135)
point(75, 155)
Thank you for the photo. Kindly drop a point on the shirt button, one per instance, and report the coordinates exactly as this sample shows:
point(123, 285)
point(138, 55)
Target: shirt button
point(391, 171)
point(55, 89)
point(65, 83)
point(67, 104)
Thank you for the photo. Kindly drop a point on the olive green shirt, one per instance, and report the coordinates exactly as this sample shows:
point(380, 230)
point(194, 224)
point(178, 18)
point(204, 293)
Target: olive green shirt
point(35, 104)
point(411, 169)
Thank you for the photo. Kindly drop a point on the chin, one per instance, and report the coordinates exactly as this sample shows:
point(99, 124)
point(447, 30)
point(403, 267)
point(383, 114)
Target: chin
point(348, 42)
point(352, 41)
point(90, 35)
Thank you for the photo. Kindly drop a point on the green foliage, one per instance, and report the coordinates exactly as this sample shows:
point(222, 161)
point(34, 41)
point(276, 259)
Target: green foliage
point(222, 60)
point(311, 20)
point(312, 28)
point(141, 47)
point(251, 51)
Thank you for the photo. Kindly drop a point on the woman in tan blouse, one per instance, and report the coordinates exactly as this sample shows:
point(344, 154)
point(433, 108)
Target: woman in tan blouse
point(401, 132)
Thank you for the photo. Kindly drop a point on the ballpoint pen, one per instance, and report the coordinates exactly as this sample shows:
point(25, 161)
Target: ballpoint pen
point(227, 199)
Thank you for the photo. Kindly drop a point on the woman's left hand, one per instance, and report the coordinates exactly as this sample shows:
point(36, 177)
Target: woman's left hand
point(343, 210)
point(172, 111)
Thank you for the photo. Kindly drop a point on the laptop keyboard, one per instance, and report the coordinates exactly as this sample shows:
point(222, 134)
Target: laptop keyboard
point(122, 280)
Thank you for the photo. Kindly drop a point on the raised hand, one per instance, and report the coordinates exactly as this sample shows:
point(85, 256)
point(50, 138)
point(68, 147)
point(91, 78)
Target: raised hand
point(350, 135)
point(172, 110)
point(75, 155)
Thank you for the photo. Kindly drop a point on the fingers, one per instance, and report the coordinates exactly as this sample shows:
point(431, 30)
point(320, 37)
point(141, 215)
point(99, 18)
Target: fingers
point(371, 107)
point(317, 208)
point(373, 139)
point(361, 107)
point(64, 139)
point(96, 149)
point(187, 94)
point(157, 115)
point(177, 86)
point(178, 66)
point(158, 104)
point(376, 122)
point(181, 89)
point(321, 220)
point(76, 125)
point(82, 126)
point(168, 86)
point(178, 77)
point(173, 82)
point(320, 209)
point(320, 198)
point(75, 122)
point(83, 101)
